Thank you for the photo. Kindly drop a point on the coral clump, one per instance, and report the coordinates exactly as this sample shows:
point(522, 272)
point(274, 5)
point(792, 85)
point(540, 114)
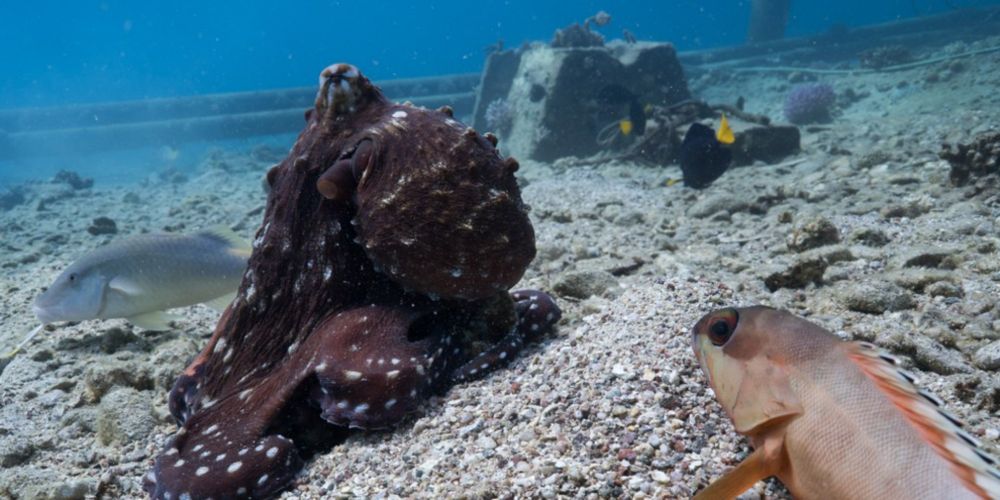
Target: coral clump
point(979, 158)
point(809, 103)
point(499, 116)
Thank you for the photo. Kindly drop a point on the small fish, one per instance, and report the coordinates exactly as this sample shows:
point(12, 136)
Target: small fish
point(625, 126)
point(703, 157)
point(617, 94)
point(832, 419)
point(138, 278)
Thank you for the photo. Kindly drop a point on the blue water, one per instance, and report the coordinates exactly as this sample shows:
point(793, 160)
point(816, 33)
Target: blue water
point(59, 52)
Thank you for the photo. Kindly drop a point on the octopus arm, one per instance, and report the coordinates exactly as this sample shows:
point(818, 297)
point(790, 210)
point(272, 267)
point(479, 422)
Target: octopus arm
point(370, 374)
point(536, 312)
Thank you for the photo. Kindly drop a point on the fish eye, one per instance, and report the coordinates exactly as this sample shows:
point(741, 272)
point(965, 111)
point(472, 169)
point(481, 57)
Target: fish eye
point(72, 277)
point(721, 328)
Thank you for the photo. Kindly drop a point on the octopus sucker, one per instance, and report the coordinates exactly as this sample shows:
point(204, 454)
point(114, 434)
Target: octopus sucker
point(364, 295)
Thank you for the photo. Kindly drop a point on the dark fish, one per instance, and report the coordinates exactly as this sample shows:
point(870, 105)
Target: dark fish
point(617, 94)
point(703, 158)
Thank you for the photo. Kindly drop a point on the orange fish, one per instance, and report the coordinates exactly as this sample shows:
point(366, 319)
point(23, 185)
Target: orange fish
point(832, 419)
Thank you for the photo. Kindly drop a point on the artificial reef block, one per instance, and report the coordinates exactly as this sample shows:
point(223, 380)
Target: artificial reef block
point(559, 95)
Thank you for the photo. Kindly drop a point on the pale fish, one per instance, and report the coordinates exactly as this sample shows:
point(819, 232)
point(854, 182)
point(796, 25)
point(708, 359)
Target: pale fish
point(832, 419)
point(138, 278)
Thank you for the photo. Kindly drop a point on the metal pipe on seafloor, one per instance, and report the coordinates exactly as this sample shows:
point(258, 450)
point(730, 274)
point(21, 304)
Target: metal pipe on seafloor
point(161, 109)
point(78, 140)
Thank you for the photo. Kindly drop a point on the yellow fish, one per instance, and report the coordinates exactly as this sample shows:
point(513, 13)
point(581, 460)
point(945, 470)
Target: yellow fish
point(625, 126)
point(725, 134)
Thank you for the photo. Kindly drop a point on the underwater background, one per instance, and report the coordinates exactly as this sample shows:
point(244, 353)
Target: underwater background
point(71, 52)
point(847, 173)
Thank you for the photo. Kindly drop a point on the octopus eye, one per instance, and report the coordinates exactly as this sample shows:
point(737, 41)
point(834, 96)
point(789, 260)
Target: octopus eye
point(721, 327)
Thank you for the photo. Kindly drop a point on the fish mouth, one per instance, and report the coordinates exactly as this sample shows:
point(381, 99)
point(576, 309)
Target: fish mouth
point(43, 314)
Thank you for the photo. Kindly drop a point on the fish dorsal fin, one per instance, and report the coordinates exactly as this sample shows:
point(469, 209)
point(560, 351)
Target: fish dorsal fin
point(973, 466)
point(238, 245)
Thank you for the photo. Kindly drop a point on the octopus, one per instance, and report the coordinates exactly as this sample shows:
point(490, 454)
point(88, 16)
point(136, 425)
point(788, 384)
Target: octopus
point(381, 275)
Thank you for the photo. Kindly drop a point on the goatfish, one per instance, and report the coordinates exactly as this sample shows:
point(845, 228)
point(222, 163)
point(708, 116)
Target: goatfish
point(832, 419)
point(138, 278)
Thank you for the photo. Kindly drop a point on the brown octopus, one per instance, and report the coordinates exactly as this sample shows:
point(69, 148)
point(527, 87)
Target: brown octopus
point(380, 275)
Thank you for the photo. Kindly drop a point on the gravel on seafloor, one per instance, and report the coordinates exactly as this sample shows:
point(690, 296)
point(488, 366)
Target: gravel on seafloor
point(862, 233)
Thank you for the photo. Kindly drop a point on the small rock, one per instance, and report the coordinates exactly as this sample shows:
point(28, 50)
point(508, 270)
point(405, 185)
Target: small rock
point(944, 289)
point(917, 279)
point(583, 284)
point(73, 179)
point(933, 257)
point(121, 418)
point(102, 225)
point(988, 356)
point(874, 297)
point(486, 443)
point(869, 236)
point(15, 450)
point(711, 205)
point(99, 379)
point(812, 234)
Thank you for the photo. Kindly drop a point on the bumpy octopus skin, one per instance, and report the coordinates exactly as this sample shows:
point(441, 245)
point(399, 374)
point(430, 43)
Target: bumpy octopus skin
point(387, 228)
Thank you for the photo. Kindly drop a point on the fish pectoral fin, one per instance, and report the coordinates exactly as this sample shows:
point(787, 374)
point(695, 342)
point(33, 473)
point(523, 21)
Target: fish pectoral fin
point(125, 286)
point(763, 463)
point(156, 320)
point(221, 303)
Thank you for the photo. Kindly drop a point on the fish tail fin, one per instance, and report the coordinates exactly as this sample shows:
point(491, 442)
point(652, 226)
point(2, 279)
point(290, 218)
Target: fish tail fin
point(923, 410)
point(238, 245)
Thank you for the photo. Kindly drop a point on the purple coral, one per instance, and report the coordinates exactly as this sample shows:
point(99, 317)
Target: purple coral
point(809, 103)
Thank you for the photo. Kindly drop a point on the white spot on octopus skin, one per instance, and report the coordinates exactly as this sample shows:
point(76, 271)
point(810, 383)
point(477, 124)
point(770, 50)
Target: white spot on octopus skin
point(361, 408)
point(399, 114)
point(244, 451)
point(259, 447)
point(391, 375)
point(352, 375)
point(220, 457)
point(201, 471)
point(233, 467)
point(271, 452)
point(320, 367)
point(390, 403)
point(244, 394)
point(198, 447)
point(242, 490)
point(220, 345)
point(179, 463)
point(343, 404)
point(262, 480)
point(395, 361)
point(206, 432)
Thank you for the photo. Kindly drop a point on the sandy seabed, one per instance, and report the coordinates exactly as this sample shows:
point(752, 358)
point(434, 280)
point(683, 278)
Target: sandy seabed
point(613, 404)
